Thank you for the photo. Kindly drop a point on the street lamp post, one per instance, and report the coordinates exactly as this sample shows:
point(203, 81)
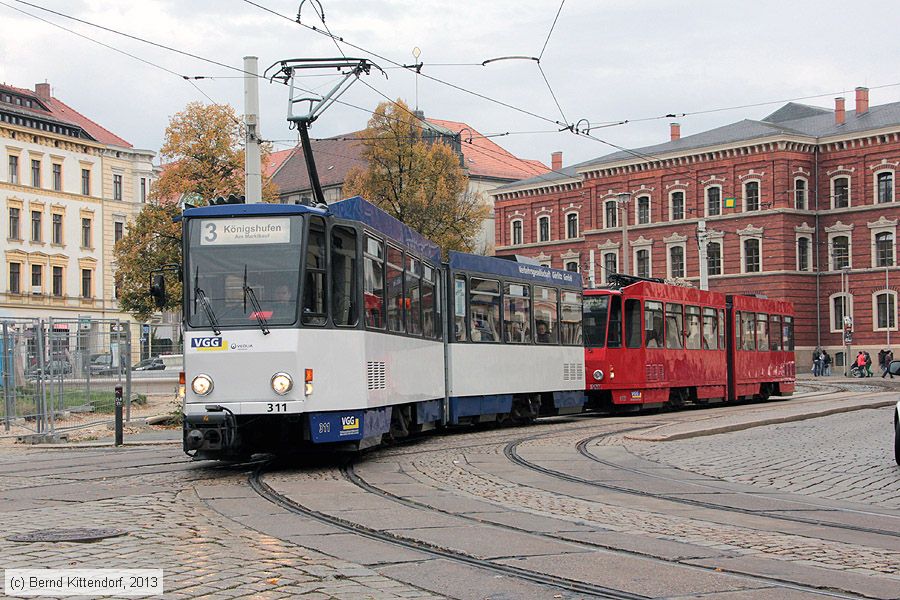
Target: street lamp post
point(624, 201)
point(890, 313)
point(847, 321)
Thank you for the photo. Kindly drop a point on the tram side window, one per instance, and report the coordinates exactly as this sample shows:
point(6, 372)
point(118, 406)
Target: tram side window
point(373, 280)
point(344, 292)
point(788, 334)
point(594, 320)
point(762, 332)
point(775, 333)
point(517, 313)
point(545, 315)
point(394, 284)
point(413, 297)
point(314, 301)
point(692, 318)
point(710, 329)
point(632, 323)
point(428, 301)
point(674, 327)
point(484, 310)
point(653, 324)
point(438, 307)
point(614, 335)
point(748, 326)
point(459, 308)
point(570, 319)
point(721, 329)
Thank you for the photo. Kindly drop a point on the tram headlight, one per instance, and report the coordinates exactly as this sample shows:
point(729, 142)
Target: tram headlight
point(202, 385)
point(282, 383)
point(598, 375)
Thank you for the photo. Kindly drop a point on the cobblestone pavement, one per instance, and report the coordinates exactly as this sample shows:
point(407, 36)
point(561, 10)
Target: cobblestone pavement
point(202, 552)
point(842, 457)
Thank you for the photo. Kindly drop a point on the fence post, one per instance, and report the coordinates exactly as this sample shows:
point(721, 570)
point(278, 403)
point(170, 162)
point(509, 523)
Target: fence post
point(40, 343)
point(127, 369)
point(8, 379)
point(119, 415)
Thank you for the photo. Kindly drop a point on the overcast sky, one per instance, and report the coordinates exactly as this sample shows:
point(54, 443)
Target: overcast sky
point(606, 60)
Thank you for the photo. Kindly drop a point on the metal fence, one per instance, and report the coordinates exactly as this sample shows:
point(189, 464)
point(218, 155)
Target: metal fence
point(60, 375)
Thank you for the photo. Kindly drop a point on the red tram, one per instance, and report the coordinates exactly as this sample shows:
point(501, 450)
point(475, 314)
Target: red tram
point(649, 344)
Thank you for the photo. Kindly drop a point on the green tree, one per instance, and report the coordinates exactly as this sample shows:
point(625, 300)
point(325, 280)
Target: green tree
point(203, 158)
point(419, 183)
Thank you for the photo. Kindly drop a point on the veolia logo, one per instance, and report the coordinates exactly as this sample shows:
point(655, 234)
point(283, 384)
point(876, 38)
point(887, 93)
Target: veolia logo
point(209, 343)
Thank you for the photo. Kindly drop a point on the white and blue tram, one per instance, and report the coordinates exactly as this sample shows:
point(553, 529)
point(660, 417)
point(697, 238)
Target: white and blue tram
point(331, 326)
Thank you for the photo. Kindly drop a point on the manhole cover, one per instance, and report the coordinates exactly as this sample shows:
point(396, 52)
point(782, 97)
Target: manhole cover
point(80, 534)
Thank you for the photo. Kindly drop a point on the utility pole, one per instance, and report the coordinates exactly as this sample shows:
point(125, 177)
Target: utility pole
point(624, 201)
point(252, 157)
point(593, 283)
point(704, 266)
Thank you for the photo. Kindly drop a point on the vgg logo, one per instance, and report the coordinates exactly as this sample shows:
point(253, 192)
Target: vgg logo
point(349, 422)
point(209, 343)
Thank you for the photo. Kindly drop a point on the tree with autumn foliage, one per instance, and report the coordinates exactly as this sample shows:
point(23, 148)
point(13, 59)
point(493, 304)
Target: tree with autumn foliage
point(203, 157)
point(420, 183)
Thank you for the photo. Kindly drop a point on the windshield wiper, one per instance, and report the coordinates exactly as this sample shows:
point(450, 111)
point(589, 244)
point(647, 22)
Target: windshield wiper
point(257, 309)
point(204, 302)
point(207, 308)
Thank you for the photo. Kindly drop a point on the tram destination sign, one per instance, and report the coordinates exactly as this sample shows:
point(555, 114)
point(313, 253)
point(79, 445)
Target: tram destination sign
point(258, 230)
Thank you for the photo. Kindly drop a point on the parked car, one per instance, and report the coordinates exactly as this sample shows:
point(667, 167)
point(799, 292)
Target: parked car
point(53, 368)
point(150, 364)
point(101, 364)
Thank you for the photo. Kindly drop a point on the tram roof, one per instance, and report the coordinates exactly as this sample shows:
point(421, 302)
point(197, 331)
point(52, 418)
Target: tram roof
point(358, 209)
point(489, 265)
point(257, 208)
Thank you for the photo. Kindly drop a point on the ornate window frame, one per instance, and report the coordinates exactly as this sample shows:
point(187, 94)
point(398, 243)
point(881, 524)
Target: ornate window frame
point(875, 295)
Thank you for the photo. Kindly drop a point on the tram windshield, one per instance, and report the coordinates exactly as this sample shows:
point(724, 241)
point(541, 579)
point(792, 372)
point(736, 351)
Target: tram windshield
point(594, 317)
point(243, 272)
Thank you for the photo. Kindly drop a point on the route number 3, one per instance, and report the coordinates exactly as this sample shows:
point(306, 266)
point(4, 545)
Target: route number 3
point(276, 407)
point(211, 234)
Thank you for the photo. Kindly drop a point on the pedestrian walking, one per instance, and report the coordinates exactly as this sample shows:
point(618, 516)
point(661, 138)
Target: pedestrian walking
point(817, 362)
point(881, 354)
point(888, 359)
point(826, 363)
point(868, 363)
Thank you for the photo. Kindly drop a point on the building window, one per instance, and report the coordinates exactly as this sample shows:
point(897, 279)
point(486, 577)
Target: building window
point(885, 310)
point(117, 187)
point(86, 233)
point(544, 229)
point(841, 306)
point(840, 252)
point(803, 262)
point(676, 261)
point(516, 233)
point(56, 233)
point(885, 186)
point(572, 225)
point(57, 177)
point(14, 169)
point(85, 283)
point(840, 192)
point(884, 249)
point(800, 194)
point(572, 266)
point(714, 258)
point(610, 265)
point(35, 226)
point(37, 275)
point(643, 210)
point(751, 256)
point(118, 231)
point(14, 224)
point(611, 211)
point(713, 201)
point(85, 182)
point(143, 189)
point(57, 281)
point(751, 196)
point(643, 263)
point(677, 206)
point(15, 278)
point(36, 173)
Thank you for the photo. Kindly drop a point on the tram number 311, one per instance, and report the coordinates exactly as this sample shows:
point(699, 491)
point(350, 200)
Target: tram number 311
point(276, 407)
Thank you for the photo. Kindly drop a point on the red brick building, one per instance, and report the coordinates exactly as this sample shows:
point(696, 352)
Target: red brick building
point(800, 205)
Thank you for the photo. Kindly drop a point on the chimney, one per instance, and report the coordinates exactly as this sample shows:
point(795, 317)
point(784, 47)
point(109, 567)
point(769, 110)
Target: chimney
point(674, 131)
point(839, 114)
point(556, 161)
point(42, 90)
point(862, 100)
